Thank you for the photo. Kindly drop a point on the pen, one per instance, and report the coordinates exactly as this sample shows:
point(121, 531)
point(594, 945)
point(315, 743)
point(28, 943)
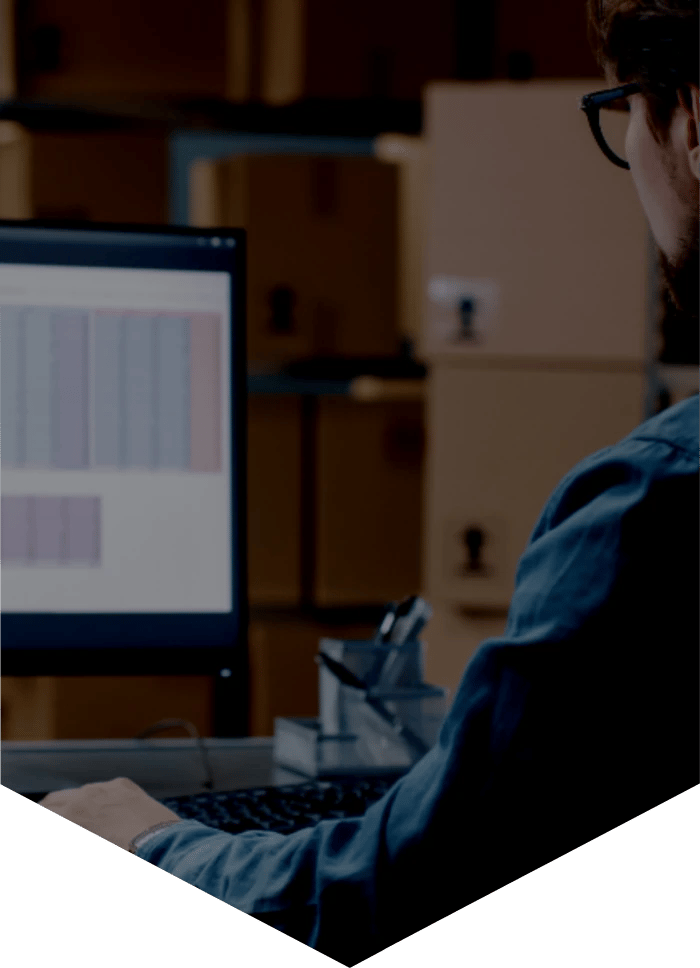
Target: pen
point(385, 634)
point(386, 624)
point(341, 672)
point(411, 617)
point(381, 636)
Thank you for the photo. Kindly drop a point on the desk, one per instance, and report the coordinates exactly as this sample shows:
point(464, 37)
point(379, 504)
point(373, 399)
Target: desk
point(163, 767)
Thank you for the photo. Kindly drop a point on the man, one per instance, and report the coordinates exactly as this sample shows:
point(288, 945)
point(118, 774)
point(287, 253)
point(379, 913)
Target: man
point(583, 715)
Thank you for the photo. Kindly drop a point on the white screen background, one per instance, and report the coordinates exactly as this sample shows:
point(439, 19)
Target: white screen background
point(165, 535)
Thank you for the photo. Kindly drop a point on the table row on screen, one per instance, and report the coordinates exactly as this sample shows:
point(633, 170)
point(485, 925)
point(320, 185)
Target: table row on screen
point(85, 389)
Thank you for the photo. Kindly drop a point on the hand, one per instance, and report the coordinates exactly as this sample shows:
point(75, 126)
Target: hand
point(117, 810)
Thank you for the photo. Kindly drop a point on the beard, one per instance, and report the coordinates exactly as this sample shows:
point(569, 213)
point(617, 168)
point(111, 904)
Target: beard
point(680, 277)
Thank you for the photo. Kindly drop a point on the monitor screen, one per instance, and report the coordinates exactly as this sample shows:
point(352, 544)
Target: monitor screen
point(123, 448)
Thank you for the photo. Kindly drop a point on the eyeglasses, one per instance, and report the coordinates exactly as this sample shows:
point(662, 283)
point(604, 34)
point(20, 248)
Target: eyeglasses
point(592, 103)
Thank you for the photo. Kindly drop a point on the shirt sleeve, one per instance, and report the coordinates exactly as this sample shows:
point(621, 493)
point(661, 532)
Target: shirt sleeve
point(559, 731)
point(140, 839)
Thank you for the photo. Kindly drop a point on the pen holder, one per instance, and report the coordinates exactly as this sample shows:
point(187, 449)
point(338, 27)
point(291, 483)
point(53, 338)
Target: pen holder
point(359, 657)
point(420, 709)
point(366, 743)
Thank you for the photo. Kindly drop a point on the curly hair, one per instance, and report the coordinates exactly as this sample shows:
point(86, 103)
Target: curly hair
point(650, 42)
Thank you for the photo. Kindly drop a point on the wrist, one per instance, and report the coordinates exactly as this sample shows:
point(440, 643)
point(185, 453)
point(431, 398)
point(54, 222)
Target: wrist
point(140, 839)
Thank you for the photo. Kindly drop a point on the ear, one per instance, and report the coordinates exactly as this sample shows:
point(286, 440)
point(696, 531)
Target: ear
point(689, 98)
point(693, 112)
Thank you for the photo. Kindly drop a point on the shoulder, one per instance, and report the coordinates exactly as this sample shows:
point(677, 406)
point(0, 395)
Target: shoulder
point(678, 427)
point(660, 453)
point(616, 514)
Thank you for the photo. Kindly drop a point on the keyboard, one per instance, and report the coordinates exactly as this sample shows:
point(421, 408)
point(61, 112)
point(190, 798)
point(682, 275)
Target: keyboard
point(282, 809)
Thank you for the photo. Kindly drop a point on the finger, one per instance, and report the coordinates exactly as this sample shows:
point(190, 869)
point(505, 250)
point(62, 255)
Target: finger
point(68, 799)
point(128, 784)
point(120, 784)
point(57, 797)
point(96, 793)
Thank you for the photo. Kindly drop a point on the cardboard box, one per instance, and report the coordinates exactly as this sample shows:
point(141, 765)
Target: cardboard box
point(101, 176)
point(162, 48)
point(115, 176)
point(530, 218)
point(369, 501)
point(322, 250)
point(345, 529)
point(283, 672)
point(274, 500)
point(523, 41)
point(8, 66)
point(314, 49)
point(411, 157)
point(15, 181)
point(102, 707)
point(274, 50)
point(501, 438)
point(282, 50)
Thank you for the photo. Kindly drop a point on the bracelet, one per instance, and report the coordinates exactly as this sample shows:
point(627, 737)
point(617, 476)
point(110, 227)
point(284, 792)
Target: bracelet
point(140, 839)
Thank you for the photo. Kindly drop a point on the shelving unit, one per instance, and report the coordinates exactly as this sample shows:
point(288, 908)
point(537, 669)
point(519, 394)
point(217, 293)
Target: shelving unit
point(186, 145)
point(217, 129)
point(363, 118)
point(211, 128)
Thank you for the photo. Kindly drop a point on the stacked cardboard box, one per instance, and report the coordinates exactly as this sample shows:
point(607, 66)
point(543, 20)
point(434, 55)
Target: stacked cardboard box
point(534, 314)
point(102, 707)
point(354, 537)
point(276, 51)
point(163, 48)
point(98, 176)
point(322, 281)
point(322, 250)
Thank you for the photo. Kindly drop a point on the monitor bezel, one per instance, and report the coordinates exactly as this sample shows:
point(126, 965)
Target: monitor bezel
point(226, 653)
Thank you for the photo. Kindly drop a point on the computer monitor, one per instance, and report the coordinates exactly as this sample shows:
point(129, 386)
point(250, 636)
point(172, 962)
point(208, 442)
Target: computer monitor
point(123, 387)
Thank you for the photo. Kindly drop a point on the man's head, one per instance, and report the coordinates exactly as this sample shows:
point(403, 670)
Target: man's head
point(655, 43)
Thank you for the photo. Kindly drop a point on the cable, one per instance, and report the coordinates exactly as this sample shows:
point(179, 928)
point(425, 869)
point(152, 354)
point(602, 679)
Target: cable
point(185, 724)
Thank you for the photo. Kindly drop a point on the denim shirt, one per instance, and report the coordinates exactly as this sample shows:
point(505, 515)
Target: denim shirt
point(583, 715)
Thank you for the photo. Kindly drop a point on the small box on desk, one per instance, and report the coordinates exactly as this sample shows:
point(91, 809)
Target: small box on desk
point(300, 745)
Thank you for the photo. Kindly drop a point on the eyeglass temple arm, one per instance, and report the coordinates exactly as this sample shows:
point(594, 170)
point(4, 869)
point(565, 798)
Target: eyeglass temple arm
point(591, 103)
point(602, 143)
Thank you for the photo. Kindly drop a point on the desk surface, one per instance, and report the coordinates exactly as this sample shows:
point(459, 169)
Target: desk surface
point(163, 767)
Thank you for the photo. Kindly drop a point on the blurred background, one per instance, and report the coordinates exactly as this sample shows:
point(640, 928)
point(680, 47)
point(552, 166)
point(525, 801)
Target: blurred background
point(452, 294)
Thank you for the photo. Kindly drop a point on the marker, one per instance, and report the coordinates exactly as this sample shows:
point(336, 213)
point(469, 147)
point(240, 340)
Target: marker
point(381, 636)
point(386, 624)
point(411, 616)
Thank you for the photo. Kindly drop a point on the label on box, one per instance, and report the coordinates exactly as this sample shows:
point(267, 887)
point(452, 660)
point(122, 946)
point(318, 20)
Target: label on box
point(461, 313)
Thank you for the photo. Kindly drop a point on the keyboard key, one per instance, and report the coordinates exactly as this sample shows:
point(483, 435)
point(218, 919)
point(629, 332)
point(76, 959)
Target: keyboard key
point(282, 809)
